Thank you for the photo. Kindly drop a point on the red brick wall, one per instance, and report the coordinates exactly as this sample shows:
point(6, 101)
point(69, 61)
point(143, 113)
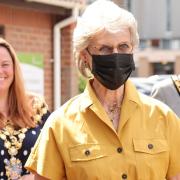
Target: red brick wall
point(69, 79)
point(31, 31)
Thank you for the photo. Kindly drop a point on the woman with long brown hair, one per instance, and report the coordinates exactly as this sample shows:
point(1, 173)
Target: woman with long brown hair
point(22, 115)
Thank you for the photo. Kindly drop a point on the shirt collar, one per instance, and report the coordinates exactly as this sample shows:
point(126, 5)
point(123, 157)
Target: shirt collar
point(89, 96)
point(131, 93)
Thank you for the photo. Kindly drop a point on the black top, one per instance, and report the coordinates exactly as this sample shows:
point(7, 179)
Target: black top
point(23, 153)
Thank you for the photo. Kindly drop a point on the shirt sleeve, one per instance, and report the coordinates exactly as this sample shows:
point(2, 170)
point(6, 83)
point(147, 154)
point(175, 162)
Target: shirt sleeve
point(174, 145)
point(45, 158)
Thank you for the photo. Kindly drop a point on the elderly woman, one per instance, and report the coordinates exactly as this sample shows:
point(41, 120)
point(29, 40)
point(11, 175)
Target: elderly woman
point(110, 131)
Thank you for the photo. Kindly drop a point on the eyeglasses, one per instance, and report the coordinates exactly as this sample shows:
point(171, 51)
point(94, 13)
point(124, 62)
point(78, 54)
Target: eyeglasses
point(123, 48)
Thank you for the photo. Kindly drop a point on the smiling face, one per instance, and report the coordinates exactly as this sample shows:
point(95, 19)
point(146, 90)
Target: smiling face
point(6, 70)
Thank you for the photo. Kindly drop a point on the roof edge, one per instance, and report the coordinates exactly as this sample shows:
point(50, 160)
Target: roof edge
point(60, 3)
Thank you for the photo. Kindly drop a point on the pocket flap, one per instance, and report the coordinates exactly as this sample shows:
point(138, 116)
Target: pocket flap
point(151, 146)
point(86, 152)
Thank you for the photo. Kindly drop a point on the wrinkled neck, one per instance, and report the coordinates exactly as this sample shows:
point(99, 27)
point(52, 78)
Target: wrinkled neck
point(107, 96)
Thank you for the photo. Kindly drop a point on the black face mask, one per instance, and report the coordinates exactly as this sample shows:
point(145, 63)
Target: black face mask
point(112, 70)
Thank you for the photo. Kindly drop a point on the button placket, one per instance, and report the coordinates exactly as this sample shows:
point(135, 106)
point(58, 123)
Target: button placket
point(124, 176)
point(87, 152)
point(150, 146)
point(119, 149)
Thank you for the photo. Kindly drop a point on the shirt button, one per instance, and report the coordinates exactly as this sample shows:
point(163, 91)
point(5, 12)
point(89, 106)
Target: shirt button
point(124, 176)
point(87, 153)
point(119, 149)
point(150, 146)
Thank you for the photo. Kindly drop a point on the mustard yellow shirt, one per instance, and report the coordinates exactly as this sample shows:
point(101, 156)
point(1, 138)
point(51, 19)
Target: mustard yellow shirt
point(79, 141)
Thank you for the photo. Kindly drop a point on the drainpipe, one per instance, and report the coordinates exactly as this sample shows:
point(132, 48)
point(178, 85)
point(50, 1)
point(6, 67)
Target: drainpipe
point(57, 54)
point(57, 40)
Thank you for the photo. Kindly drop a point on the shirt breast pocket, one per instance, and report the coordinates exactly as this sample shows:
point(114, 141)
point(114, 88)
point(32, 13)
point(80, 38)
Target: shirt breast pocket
point(88, 161)
point(87, 152)
point(152, 158)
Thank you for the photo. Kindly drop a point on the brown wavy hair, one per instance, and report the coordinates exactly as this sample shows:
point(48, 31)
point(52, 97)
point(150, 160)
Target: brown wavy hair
point(19, 103)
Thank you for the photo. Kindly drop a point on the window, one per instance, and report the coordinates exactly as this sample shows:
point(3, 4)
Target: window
point(163, 68)
point(175, 44)
point(155, 43)
point(166, 44)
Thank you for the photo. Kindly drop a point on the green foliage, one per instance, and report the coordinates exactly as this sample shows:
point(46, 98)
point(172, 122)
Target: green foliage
point(82, 83)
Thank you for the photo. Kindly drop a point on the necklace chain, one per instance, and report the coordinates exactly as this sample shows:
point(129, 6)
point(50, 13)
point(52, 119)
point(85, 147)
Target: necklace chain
point(13, 142)
point(113, 111)
point(113, 107)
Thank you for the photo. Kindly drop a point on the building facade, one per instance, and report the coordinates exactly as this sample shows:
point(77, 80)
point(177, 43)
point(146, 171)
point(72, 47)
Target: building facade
point(29, 26)
point(158, 27)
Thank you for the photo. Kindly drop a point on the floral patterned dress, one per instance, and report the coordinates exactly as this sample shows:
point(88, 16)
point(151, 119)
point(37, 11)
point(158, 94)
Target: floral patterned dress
point(16, 144)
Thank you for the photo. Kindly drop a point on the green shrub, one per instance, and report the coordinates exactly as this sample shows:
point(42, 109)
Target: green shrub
point(82, 83)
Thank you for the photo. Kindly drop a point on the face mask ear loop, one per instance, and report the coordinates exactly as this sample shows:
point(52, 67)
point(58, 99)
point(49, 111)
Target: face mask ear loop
point(88, 52)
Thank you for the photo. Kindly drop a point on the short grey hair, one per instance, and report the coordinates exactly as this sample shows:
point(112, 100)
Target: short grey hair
point(100, 15)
